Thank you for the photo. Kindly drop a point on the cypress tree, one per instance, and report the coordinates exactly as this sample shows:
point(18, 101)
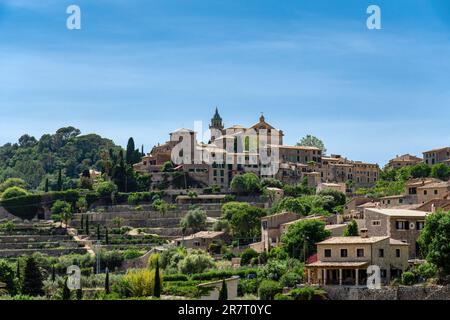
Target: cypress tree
point(107, 281)
point(87, 225)
point(53, 273)
point(66, 291)
point(157, 289)
point(98, 232)
point(130, 151)
point(106, 235)
point(46, 185)
point(142, 151)
point(60, 180)
point(80, 294)
point(32, 279)
point(82, 223)
point(18, 270)
point(223, 294)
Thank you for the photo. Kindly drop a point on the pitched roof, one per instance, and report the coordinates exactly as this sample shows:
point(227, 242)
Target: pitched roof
point(406, 157)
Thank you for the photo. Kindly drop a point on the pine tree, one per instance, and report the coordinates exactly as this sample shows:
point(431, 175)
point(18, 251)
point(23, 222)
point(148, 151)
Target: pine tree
point(107, 281)
point(223, 294)
point(157, 288)
point(32, 279)
point(60, 184)
point(46, 185)
point(66, 291)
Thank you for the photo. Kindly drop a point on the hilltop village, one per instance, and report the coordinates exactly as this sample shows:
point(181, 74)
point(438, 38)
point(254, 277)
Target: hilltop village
point(242, 216)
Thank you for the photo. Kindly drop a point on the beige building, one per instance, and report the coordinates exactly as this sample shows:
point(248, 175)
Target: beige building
point(234, 150)
point(400, 224)
point(435, 156)
point(433, 191)
point(344, 260)
point(404, 161)
point(200, 240)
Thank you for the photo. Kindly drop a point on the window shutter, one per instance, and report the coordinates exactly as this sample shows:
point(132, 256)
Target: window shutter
point(406, 225)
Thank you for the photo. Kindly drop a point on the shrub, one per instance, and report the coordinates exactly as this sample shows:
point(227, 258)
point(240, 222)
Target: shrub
point(408, 278)
point(305, 293)
point(141, 282)
point(247, 255)
point(247, 286)
point(426, 270)
point(195, 262)
point(24, 207)
point(273, 270)
point(132, 254)
point(175, 277)
point(290, 279)
point(268, 289)
point(13, 192)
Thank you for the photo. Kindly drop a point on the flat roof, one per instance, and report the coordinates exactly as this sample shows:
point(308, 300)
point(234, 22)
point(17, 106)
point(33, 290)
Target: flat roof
point(399, 212)
point(353, 240)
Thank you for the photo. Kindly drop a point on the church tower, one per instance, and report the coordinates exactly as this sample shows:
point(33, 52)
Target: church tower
point(216, 126)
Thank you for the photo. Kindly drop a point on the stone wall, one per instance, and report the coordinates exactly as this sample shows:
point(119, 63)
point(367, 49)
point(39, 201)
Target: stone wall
point(418, 292)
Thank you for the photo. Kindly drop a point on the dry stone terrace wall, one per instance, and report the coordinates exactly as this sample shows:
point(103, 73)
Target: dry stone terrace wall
point(389, 293)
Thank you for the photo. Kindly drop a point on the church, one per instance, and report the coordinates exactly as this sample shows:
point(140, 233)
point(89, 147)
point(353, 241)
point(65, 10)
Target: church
point(235, 150)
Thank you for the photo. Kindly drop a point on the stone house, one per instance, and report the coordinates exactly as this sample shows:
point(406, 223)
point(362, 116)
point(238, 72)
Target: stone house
point(200, 240)
point(441, 155)
point(344, 260)
point(404, 161)
point(433, 191)
point(400, 224)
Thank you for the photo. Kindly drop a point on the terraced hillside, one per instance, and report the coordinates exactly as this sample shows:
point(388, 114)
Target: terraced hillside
point(44, 237)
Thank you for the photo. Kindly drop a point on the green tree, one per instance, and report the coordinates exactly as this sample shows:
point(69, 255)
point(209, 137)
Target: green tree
point(301, 237)
point(312, 141)
point(434, 240)
point(60, 182)
point(62, 209)
point(46, 185)
point(420, 170)
point(13, 192)
point(195, 219)
point(105, 190)
point(12, 182)
point(131, 152)
point(32, 279)
point(268, 289)
point(440, 171)
point(290, 204)
point(98, 232)
point(157, 286)
point(107, 281)
point(223, 293)
point(351, 230)
point(195, 262)
point(7, 277)
point(245, 184)
point(66, 291)
point(167, 166)
point(244, 219)
point(339, 198)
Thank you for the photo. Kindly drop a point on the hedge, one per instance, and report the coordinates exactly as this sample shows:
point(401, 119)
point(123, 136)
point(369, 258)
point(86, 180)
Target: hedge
point(25, 207)
point(221, 274)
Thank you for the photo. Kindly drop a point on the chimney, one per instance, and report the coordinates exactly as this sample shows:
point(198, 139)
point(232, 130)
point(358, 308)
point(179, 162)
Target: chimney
point(364, 233)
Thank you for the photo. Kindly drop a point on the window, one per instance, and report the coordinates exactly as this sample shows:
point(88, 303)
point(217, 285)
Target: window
point(401, 225)
point(380, 253)
point(360, 253)
point(383, 273)
point(397, 253)
point(425, 192)
point(327, 253)
point(343, 253)
point(264, 225)
point(420, 225)
point(435, 192)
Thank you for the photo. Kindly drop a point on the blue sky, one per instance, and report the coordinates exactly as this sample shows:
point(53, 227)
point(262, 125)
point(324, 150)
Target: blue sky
point(144, 67)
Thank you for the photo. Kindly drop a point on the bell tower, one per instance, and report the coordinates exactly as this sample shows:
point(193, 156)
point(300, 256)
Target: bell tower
point(216, 126)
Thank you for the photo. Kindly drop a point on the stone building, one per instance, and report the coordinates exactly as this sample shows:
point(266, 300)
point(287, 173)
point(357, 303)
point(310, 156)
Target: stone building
point(404, 161)
point(344, 260)
point(236, 150)
point(400, 224)
point(200, 240)
point(435, 156)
